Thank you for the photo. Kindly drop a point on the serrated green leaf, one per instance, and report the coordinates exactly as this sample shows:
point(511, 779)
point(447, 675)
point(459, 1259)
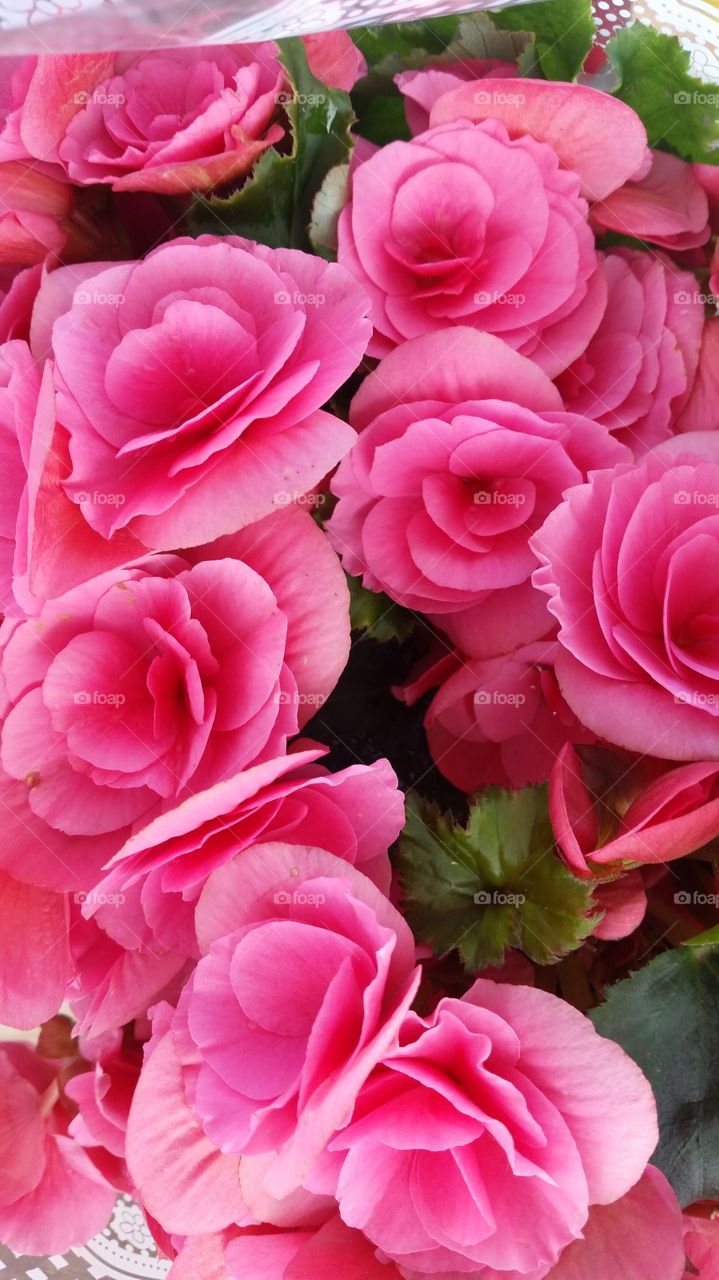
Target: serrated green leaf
point(479, 36)
point(563, 31)
point(397, 46)
point(666, 1017)
point(679, 112)
point(493, 884)
point(274, 205)
point(377, 615)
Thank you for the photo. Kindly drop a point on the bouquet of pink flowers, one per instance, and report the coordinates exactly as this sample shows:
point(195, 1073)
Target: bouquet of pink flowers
point(359, 567)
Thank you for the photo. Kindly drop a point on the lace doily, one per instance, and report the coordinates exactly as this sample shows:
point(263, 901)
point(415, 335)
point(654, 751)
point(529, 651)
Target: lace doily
point(125, 1250)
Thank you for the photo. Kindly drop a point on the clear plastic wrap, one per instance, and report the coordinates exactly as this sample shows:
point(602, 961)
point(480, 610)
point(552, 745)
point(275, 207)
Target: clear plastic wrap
point(47, 26)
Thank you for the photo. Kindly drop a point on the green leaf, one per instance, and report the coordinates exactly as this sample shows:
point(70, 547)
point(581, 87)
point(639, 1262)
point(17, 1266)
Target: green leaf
point(563, 30)
point(381, 116)
point(274, 205)
point(680, 113)
point(479, 36)
point(397, 46)
point(377, 615)
point(494, 884)
point(326, 209)
point(666, 1017)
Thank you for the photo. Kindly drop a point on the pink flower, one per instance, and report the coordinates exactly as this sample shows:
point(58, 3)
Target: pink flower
point(191, 384)
point(629, 562)
point(701, 1241)
point(421, 89)
point(19, 389)
point(35, 959)
point(38, 216)
point(500, 720)
point(356, 814)
point(436, 235)
point(170, 120)
point(152, 681)
point(700, 410)
point(464, 449)
point(19, 288)
point(103, 1096)
point(646, 811)
point(668, 207)
point(482, 1143)
point(714, 273)
point(307, 973)
point(328, 1252)
point(638, 368)
point(52, 1195)
point(334, 58)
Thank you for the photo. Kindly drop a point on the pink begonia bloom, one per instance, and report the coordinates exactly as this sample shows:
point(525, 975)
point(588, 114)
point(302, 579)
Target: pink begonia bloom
point(334, 58)
point(701, 410)
point(112, 983)
point(191, 385)
point(525, 270)
point(52, 1195)
point(170, 121)
point(629, 562)
point(714, 274)
point(668, 207)
point(500, 720)
point(464, 449)
point(665, 811)
point(328, 1252)
point(593, 134)
point(480, 1145)
point(504, 620)
point(19, 389)
point(701, 1241)
point(35, 959)
point(638, 368)
point(152, 681)
point(17, 295)
point(708, 176)
point(307, 973)
point(477, 256)
point(421, 89)
point(103, 1097)
point(623, 904)
point(356, 814)
point(38, 216)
